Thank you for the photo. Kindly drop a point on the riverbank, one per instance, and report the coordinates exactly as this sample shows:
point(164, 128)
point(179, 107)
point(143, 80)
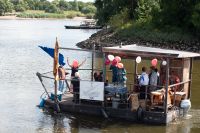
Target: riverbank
point(14, 17)
point(108, 37)
point(39, 14)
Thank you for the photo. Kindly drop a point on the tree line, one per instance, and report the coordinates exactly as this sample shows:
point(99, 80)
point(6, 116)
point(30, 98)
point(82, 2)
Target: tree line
point(56, 6)
point(182, 14)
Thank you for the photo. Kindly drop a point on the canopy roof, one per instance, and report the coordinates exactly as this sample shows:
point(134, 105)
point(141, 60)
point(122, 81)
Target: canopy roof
point(135, 50)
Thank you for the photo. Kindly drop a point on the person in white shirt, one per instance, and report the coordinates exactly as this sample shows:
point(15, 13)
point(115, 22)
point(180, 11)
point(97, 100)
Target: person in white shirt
point(143, 81)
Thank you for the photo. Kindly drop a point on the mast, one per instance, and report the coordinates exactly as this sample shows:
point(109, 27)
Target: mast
point(55, 72)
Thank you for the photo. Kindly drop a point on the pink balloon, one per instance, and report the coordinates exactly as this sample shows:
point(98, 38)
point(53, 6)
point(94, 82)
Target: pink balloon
point(75, 63)
point(114, 62)
point(154, 62)
point(120, 65)
point(118, 59)
point(107, 62)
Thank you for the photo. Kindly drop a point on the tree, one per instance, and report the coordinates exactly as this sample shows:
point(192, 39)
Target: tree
point(5, 6)
point(21, 6)
point(52, 9)
point(64, 5)
point(76, 5)
point(88, 9)
point(107, 8)
point(31, 4)
point(196, 17)
point(145, 9)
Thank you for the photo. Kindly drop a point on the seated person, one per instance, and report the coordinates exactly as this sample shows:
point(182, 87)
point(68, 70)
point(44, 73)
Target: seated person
point(76, 86)
point(174, 79)
point(98, 76)
point(143, 81)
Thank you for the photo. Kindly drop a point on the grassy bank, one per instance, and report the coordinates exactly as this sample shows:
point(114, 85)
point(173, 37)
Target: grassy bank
point(43, 14)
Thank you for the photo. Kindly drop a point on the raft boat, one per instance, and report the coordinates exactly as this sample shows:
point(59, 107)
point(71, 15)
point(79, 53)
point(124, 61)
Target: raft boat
point(114, 101)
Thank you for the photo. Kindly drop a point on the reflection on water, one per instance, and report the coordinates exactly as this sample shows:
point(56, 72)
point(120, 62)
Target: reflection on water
point(20, 59)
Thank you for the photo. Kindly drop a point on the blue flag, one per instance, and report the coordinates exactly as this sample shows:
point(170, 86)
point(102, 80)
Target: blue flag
point(50, 51)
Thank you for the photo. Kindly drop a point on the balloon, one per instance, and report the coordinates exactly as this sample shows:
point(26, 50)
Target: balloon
point(138, 59)
point(120, 65)
point(107, 62)
point(154, 62)
point(118, 59)
point(164, 63)
point(114, 62)
point(111, 57)
point(75, 63)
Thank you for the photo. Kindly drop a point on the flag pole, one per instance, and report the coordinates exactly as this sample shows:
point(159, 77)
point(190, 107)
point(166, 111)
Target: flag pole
point(55, 72)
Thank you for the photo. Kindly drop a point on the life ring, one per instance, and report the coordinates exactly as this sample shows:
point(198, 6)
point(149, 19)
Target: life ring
point(140, 114)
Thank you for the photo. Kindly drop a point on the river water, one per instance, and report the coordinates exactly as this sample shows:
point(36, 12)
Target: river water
point(20, 89)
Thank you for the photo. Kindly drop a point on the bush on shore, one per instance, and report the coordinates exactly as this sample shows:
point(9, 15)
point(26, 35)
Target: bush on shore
point(43, 14)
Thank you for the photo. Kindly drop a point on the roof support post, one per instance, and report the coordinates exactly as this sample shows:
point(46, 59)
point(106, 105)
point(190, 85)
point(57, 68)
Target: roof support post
point(135, 74)
point(190, 77)
point(55, 72)
point(93, 49)
point(104, 67)
point(166, 87)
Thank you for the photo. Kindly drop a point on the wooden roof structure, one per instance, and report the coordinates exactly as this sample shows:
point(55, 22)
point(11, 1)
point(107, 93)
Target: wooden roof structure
point(135, 50)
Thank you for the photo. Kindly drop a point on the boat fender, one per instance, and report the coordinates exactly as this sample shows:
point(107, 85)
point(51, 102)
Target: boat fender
point(140, 114)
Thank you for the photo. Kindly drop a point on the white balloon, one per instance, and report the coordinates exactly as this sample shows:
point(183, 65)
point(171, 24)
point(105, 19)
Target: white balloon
point(138, 59)
point(111, 57)
point(164, 63)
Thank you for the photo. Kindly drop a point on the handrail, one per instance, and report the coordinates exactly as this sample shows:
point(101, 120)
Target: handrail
point(86, 50)
point(179, 83)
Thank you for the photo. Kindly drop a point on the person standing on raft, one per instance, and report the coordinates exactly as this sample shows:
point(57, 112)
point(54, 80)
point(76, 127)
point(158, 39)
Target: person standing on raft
point(75, 66)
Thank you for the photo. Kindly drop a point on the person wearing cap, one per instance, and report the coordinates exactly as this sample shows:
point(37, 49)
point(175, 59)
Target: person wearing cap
point(121, 74)
point(75, 66)
point(114, 69)
point(143, 82)
point(174, 79)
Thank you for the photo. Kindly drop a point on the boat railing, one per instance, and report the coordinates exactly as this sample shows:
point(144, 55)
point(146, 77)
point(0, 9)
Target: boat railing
point(123, 100)
point(148, 94)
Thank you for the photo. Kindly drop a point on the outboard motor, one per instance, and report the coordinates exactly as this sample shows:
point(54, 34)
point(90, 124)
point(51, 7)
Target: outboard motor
point(185, 105)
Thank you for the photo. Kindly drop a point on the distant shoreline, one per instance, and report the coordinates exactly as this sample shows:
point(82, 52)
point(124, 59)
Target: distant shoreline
point(14, 17)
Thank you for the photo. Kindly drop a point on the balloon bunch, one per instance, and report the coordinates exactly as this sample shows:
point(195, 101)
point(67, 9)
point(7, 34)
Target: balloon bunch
point(115, 61)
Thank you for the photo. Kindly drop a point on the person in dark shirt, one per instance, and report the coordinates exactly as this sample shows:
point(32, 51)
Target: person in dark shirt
point(76, 86)
point(98, 76)
point(75, 66)
point(114, 69)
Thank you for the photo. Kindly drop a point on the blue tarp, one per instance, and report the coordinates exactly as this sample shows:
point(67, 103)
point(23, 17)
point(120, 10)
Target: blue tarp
point(116, 89)
point(50, 51)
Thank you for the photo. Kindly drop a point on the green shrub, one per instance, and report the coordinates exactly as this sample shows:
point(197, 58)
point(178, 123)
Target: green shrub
point(90, 15)
point(117, 21)
point(196, 17)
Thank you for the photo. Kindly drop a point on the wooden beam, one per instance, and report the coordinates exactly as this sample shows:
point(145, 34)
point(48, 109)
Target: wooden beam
point(166, 87)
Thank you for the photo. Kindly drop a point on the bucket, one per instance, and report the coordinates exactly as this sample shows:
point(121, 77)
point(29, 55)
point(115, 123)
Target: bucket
point(115, 103)
point(59, 95)
point(42, 102)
